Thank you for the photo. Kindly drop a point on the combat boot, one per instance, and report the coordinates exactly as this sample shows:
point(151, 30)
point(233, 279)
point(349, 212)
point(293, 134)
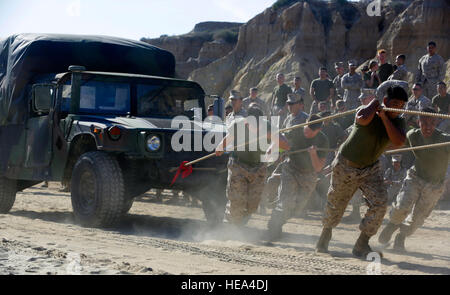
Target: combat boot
point(362, 248)
point(399, 242)
point(275, 226)
point(324, 240)
point(387, 232)
point(274, 232)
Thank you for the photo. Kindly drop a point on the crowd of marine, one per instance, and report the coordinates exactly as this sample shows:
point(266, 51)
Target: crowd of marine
point(342, 161)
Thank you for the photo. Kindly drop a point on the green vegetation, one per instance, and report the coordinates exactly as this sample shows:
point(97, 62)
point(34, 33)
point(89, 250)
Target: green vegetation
point(229, 36)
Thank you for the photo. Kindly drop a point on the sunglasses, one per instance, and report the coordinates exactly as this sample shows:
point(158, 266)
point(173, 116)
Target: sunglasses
point(416, 89)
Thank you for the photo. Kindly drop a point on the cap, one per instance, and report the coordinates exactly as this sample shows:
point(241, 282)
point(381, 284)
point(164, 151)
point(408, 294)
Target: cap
point(367, 92)
point(352, 63)
point(396, 158)
point(293, 98)
point(339, 64)
point(234, 94)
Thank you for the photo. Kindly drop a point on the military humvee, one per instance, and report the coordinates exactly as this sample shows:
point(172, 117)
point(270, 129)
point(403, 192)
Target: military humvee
point(95, 113)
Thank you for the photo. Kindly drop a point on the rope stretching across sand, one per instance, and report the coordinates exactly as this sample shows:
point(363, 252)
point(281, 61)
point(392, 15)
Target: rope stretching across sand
point(343, 114)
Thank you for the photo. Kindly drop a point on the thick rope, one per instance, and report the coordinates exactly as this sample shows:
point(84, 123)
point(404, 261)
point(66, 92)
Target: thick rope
point(305, 150)
point(419, 113)
point(416, 148)
point(343, 114)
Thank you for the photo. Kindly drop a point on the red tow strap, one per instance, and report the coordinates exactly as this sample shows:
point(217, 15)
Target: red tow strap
point(184, 170)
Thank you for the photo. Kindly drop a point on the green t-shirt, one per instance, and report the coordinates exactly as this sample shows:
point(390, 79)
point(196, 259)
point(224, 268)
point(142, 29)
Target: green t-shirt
point(334, 133)
point(442, 103)
point(365, 144)
point(346, 121)
point(297, 140)
point(248, 156)
point(431, 164)
point(280, 95)
point(322, 88)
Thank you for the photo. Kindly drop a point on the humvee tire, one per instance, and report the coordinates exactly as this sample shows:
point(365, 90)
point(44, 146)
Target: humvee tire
point(127, 206)
point(8, 189)
point(97, 190)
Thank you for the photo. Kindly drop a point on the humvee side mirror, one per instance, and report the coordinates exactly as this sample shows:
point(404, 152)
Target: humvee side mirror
point(42, 99)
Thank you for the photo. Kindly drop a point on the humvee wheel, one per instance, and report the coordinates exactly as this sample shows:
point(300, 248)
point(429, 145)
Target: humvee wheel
point(127, 205)
point(97, 190)
point(8, 191)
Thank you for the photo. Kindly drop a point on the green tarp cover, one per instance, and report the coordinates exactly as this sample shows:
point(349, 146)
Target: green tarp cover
point(25, 57)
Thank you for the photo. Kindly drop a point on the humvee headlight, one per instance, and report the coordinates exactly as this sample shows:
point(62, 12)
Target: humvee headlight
point(153, 143)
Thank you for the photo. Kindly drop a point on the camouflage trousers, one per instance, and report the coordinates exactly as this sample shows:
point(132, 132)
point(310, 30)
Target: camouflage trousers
point(414, 203)
point(244, 189)
point(294, 193)
point(345, 180)
point(393, 191)
point(270, 191)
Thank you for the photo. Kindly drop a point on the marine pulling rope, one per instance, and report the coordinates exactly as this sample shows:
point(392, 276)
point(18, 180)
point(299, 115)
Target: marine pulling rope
point(186, 169)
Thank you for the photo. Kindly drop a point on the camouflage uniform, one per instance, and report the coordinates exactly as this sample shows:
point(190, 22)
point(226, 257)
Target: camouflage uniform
point(396, 178)
point(294, 192)
point(416, 105)
point(246, 177)
point(337, 81)
point(424, 184)
point(298, 180)
point(352, 85)
point(431, 70)
point(358, 166)
point(244, 189)
point(418, 196)
point(401, 73)
point(301, 91)
point(273, 182)
point(345, 180)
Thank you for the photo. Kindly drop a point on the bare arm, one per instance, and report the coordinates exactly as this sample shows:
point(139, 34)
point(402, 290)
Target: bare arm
point(331, 94)
point(220, 149)
point(396, 135)
point(419, 72)
point(311, 92)
point(365, 115)
point(318, 163)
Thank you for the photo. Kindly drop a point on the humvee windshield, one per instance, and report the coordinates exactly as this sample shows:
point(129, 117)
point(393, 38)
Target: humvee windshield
point(115, 98)
point(167, 101)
